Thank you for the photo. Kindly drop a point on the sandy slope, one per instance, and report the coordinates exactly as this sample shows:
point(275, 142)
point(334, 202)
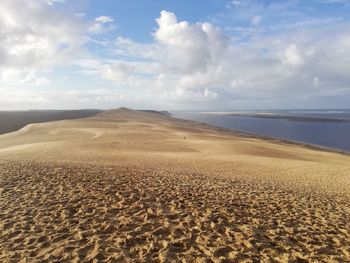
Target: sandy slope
point(131, 185)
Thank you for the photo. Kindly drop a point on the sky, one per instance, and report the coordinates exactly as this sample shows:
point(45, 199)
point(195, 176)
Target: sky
point(173, 55)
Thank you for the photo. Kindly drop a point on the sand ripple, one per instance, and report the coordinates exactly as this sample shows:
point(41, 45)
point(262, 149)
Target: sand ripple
point(87, 213)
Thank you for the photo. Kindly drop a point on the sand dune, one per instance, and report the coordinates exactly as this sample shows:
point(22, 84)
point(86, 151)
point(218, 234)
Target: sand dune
point(127, 186)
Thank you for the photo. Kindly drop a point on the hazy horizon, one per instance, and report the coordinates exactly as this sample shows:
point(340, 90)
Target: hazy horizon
point(165, 109)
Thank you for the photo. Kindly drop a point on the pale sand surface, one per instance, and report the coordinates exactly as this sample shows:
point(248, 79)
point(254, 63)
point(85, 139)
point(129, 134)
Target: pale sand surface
point(130, 186)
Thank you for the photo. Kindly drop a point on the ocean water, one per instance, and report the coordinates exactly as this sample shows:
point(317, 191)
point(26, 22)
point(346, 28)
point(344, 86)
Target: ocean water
point(327, 128)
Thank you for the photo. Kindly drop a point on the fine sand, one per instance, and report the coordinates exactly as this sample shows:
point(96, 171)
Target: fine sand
point(128, 186)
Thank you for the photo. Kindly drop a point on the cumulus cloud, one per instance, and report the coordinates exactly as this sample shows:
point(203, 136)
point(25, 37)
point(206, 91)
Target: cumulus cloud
point(181, 64)
point(34, 36)
point(186, 47)
point(200, 63)
point(184, 65)
point(292, 56)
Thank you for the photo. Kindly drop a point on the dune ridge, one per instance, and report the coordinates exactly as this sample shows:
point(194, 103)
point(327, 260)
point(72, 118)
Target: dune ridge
point(125, 186)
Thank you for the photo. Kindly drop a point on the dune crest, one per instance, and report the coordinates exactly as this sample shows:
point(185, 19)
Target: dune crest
point(128, 185)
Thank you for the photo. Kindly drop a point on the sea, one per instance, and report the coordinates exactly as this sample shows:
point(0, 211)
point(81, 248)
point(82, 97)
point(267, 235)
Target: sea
point(325, 128)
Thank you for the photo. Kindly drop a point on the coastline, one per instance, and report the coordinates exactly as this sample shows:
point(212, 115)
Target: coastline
point(82, 114)
point(131, 186)
point(270, 138)
point(283, 116)
point(250, 130)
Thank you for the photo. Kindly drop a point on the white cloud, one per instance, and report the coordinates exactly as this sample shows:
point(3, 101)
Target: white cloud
point(104, 98)
point(104, 19)
point(128, 48)
point(256, 20)
point(101, 25)
point(34, 36)
point(186, 47)
point(199, 63)
point(52, 2)
point(182, 64)
point(33, 79)
point(292, 56)
point(185, 64)
point(116, 70)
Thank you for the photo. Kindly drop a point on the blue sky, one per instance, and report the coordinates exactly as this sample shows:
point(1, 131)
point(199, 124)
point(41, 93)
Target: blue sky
point(213, 54)
point(136, 18)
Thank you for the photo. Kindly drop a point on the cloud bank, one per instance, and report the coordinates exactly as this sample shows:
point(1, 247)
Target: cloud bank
point(199, 63)
point(186, 65)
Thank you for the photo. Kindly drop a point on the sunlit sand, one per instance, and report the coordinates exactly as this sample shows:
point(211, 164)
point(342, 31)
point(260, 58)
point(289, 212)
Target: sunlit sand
point(127, 186)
